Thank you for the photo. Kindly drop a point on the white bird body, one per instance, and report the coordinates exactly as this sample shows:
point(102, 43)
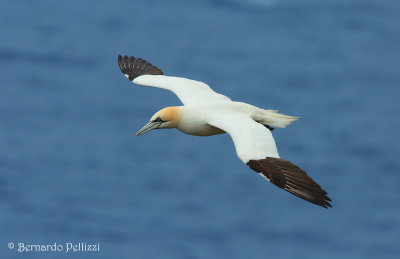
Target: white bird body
point(207, 113)
point(194, 123)
point(235, 118)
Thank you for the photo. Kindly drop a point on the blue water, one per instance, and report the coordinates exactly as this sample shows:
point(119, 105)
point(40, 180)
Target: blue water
point(72, 169)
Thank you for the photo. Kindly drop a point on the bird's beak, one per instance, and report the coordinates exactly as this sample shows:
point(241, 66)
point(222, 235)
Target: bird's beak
point(149, 126)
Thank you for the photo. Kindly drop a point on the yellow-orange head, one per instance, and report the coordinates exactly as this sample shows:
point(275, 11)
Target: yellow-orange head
point(164, 119)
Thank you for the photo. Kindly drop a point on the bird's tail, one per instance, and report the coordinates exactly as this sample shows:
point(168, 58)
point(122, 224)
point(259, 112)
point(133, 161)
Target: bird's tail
point(274, 119)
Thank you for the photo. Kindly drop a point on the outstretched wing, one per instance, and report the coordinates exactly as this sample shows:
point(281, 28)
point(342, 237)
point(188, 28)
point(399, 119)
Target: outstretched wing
point(255, 146)
point(141, 72)
point(252, 140)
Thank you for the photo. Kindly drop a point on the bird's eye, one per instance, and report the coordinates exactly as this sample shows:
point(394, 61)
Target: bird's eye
point(158, 119)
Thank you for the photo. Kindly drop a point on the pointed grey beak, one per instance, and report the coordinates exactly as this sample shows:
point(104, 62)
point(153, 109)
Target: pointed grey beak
point(149, 126)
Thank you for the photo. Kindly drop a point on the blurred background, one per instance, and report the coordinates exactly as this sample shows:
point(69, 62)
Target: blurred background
point(72, 170)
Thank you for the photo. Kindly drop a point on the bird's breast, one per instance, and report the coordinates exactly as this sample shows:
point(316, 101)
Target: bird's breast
point(198, 128)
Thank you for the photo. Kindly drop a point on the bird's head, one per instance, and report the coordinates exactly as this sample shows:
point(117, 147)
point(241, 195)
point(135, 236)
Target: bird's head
point(166, 118)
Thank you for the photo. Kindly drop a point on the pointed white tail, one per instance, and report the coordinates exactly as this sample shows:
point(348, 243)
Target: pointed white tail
point(275, 119)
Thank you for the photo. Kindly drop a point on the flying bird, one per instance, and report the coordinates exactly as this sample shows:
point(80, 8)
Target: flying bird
point(205, 113)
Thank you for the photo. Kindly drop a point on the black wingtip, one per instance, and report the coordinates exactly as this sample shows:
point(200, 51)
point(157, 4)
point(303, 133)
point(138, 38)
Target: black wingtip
point(291, 178)
point(133, 67)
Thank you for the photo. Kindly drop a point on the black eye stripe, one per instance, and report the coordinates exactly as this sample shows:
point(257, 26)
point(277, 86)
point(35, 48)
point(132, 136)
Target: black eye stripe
point(158, 119)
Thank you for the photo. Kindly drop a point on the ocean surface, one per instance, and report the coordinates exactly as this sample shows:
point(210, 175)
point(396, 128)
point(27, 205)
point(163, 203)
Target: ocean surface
point(73, 171)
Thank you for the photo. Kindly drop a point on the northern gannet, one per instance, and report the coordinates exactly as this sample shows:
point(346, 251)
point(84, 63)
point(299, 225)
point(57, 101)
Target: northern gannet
point(205, 113)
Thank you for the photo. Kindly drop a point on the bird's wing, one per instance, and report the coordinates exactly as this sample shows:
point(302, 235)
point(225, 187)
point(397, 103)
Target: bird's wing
point(143, 73)
point(255, 146)
point(252, 140)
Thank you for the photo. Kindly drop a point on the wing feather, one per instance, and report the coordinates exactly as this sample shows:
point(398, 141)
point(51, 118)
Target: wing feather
point(133, 67)
point(291, 178)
